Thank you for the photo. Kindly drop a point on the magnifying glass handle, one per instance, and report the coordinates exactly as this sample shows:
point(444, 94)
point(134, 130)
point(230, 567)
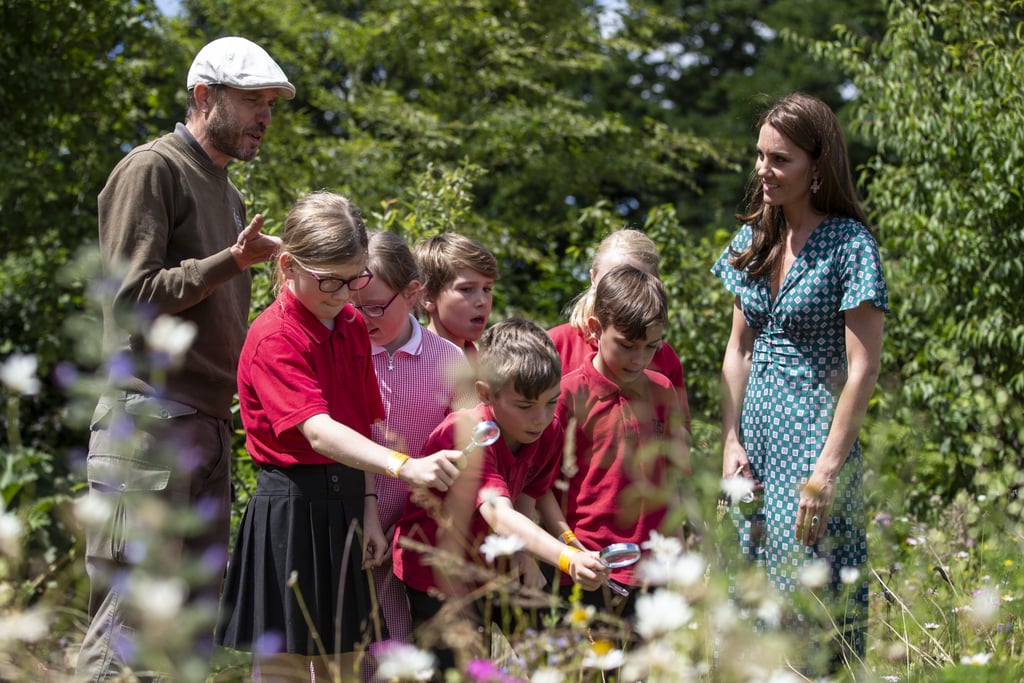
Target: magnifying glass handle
point(617, 587)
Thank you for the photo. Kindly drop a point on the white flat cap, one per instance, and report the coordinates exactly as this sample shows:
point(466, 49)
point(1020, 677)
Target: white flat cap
point(241, 64)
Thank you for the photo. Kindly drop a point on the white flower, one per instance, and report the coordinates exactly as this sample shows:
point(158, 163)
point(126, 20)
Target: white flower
point(489, 495)
point(11, 530)
point(681, 570)
point(891, 679)
point(663, 547)
point(739, 489)
point(602, 655)
point(849, 575)
point(985, 606)
point(726, 616)
point(980, 659)
point(18, 373)
point(784, 676)
point(403, 662)
point(159, 600)
point(657, 660)
point(930, 625)
point(547, 674)
point(498, 546)
point(815, 575)
point(770, 612)
point(27, 627)
point(172, 336)
point(91, 511)
point(660, 613)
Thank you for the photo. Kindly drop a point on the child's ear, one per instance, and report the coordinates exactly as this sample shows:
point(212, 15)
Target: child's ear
point(483, 392)
point(413, 291)
point(594, 326)
point(427, 302)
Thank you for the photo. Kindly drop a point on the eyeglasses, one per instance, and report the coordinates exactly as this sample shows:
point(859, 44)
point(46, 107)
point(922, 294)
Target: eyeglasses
point(329, 285)
point(375, 310)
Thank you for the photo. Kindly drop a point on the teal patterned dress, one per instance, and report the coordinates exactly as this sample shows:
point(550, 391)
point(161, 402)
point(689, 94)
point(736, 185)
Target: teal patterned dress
point(798, 369)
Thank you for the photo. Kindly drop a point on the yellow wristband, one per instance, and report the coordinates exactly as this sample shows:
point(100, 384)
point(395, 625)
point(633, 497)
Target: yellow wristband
point(568, 537)
point(395, 462)
point(566, 557)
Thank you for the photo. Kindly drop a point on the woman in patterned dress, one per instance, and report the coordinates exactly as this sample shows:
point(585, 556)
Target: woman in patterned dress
point(801, 363)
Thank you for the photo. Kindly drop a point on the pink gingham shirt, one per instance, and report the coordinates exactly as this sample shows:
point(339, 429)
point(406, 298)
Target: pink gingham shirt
point(417, 386)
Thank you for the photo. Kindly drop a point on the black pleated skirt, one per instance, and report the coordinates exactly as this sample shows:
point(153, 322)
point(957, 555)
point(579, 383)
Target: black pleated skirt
point(301, 522)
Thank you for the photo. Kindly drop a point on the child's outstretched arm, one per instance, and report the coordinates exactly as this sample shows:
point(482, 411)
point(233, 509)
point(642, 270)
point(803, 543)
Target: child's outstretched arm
point(584, 567)
point(347, 446)
point(553, 519)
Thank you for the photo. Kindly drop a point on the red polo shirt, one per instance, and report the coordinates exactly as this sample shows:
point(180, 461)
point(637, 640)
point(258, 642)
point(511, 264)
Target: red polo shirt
point(291, 368)
point(531, 471)
point(574, 349)
point(614, 496)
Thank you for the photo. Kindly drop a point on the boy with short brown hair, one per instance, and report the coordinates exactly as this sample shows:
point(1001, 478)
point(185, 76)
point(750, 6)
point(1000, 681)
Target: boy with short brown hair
point(458, 282)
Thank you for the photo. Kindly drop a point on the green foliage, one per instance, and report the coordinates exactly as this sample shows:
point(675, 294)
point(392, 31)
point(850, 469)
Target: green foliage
point(536, 129)
point(945, 191)
point(80, 80)
point(708, 67)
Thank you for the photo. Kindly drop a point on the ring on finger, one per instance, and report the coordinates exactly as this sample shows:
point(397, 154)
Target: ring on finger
point(814, 520)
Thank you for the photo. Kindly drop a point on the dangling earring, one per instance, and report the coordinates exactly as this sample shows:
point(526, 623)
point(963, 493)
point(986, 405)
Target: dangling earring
point(815, 185)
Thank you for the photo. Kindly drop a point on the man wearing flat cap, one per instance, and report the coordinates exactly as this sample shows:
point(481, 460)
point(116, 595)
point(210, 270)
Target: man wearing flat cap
point(176, 249)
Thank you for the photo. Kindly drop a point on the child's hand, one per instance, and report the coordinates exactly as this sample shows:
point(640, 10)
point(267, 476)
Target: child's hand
point(375, 545)
point(586, 569)
point(437, 470)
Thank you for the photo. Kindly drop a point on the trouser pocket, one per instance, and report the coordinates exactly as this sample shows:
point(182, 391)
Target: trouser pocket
point(127, 464)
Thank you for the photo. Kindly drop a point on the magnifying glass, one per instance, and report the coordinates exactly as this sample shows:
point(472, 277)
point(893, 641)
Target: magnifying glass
point(484, 434)
point(616, 556)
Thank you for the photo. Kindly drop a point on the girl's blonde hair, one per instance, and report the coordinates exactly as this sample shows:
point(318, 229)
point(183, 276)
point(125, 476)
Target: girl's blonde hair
point(322, 230)
point(628, 242)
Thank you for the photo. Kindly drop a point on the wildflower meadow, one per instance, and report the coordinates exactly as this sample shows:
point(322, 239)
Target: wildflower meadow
point(946, 591)
point(537, 128)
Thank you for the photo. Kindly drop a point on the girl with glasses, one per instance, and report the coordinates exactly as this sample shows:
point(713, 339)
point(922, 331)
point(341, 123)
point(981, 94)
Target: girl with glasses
point(308, 396)
point(417, 372)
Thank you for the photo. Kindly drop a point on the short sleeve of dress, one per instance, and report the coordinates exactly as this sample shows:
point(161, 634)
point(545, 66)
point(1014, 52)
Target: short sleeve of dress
point(863, 279)
point(734, 280)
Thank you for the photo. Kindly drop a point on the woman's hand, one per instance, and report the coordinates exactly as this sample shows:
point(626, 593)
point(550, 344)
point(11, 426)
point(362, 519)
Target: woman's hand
point(816, 499)
point(736, 464)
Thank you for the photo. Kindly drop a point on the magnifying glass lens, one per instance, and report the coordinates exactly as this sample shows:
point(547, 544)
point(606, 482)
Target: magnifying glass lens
point(619, 555)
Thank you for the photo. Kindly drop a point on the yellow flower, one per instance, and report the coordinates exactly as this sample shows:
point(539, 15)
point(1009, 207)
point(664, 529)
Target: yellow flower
point(580, 615)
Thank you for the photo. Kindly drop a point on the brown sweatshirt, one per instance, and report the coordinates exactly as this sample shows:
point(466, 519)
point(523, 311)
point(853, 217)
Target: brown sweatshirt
point(168, 217)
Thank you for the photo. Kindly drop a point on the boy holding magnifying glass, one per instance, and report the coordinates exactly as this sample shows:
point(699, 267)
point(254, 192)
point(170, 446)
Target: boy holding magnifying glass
point(518, 384)
point(630, 429)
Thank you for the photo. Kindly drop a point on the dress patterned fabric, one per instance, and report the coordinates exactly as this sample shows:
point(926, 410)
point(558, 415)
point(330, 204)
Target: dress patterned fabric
point(797, 372)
